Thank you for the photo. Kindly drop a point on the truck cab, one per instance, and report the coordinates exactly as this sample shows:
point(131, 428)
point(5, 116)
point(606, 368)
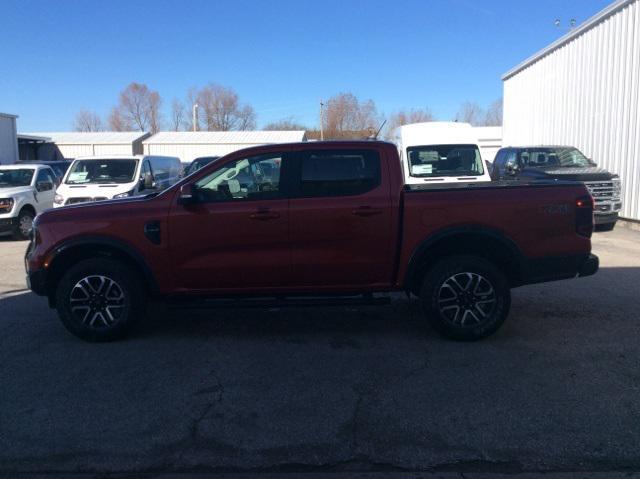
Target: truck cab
point(563, 163)
point(97, 178)
point(26, 190)
point(440, 152)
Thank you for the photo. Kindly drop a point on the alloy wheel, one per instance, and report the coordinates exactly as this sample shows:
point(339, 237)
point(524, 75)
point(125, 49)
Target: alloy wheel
point(466, 299)
point(97, 301)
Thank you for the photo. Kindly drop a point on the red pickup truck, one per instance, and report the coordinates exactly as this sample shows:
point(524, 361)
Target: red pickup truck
point(311, 222)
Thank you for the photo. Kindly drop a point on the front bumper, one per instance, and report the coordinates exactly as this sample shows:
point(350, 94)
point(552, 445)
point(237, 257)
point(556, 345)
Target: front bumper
point(604, 218)
point(37, 282)
point(8, 225)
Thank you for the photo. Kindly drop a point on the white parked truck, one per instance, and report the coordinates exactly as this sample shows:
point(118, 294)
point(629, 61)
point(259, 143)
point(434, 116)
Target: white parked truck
point(96, 178)
point(440, 152)
point(25, 191)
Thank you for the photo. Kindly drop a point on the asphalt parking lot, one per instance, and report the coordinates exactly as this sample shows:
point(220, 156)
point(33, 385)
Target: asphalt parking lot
point(331, 389)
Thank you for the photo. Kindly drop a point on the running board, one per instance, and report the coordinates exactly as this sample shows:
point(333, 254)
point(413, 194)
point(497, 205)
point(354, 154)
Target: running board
point(266, 303)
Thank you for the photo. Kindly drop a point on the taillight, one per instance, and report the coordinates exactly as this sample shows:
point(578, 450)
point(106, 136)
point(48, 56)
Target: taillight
point(584, 215)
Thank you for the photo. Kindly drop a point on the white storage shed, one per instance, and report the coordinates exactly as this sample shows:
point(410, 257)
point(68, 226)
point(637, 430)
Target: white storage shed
point(8, 139)
point(489, 141)
point(188, 145)
point(73, 144)
point(584, 90)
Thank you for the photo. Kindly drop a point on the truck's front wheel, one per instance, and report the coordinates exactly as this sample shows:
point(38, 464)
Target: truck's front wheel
point(99, 299)
point(465, 297)
point(24, 222)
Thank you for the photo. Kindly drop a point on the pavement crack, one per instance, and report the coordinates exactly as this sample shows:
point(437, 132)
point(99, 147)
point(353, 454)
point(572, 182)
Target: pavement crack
point(217, 390)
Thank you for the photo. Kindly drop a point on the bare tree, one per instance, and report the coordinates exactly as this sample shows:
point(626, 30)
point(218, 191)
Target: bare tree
point(470, 112)
point(117, 122)
point(345, 113)
point(246, 118)
point(138, 108)
point(286, 124)
point(221, 109)
point(178, 119)
point(494, 114)
point(404, 117)
point(87, 121)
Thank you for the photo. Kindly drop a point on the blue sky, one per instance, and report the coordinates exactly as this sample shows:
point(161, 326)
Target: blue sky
point(281, 56)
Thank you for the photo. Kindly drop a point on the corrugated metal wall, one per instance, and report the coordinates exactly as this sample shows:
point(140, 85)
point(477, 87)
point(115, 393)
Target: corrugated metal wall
point(73, 151)
point(489, 141)
point(586, 93)
point(8, 140)
point(188, 153)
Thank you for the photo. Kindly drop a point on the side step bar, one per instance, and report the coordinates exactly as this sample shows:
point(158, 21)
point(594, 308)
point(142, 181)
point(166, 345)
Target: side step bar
point(280, 302)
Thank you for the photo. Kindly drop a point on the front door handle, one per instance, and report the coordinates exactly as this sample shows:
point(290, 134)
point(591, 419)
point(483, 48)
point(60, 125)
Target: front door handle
point(366, 211)
point(265, 215)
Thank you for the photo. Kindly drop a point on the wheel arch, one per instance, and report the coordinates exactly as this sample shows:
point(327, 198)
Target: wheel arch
point(75, 250)
point(480, 241)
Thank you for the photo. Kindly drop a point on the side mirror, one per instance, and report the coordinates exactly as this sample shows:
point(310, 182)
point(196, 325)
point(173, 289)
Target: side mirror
point(44, 186)
point(511, 167)
point(187, 194)
point(149, 184)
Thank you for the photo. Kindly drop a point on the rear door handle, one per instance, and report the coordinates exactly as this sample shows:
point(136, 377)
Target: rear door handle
point(366, 211)
point(265, 215)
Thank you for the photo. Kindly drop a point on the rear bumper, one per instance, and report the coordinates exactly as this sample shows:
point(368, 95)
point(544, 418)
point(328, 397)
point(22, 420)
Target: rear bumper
point(541, 270)
point(590, 266)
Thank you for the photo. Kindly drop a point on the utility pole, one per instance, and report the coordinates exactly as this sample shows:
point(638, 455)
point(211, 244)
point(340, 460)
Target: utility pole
point(321, 121)
point(194, 116)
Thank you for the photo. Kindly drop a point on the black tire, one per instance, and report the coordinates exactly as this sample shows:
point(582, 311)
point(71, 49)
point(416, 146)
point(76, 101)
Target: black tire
point(25, 218)
point(100, 299)
point(463, 310)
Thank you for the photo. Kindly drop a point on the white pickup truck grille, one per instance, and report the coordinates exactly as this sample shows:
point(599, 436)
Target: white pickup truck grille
point(606, 195)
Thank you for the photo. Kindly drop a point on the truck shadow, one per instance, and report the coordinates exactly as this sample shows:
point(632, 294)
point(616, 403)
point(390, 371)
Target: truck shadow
point(536, 310)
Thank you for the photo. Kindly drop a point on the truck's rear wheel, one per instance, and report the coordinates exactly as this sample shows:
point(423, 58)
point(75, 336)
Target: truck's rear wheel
point(99, 299)
point(465, 297)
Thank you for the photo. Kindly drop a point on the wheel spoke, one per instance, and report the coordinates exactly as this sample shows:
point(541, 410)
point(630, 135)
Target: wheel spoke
point(97, 301)
point(466, 299)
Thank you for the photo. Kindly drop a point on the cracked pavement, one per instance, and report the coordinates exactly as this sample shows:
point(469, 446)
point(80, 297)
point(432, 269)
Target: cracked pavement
point(331, 389)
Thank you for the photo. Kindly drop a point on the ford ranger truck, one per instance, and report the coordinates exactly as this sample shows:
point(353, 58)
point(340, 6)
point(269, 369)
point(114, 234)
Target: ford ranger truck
point(563, 163)
point(25, 191)
point(310, 223)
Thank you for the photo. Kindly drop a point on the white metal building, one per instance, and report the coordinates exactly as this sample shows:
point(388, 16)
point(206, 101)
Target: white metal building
point(74, 144)
point(188, 145)
point(8, 139)
point(489, 141)
point(584, 90)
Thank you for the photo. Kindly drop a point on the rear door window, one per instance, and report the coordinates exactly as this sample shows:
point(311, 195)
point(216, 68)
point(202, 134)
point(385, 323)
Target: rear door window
point(338, 173)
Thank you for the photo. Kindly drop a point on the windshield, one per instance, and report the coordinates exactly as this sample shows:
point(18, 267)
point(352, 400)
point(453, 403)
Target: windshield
point(102, 171)
point(554, 157)
point(444, 160)
point(11, 177)
point(199, 163)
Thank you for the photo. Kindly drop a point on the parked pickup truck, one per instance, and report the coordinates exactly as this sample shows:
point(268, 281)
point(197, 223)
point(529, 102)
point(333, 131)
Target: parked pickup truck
point(563, 163)
point(311, 223)
point(25, 191)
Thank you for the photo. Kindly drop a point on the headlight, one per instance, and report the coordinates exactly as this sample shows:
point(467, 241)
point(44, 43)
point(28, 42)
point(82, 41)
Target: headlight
point(123, 195)
point(6, 205)
point(617, 187)
point(58, 199)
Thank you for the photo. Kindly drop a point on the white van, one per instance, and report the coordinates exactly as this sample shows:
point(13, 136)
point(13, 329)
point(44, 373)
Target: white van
point(96, 178)
point(440, 152)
